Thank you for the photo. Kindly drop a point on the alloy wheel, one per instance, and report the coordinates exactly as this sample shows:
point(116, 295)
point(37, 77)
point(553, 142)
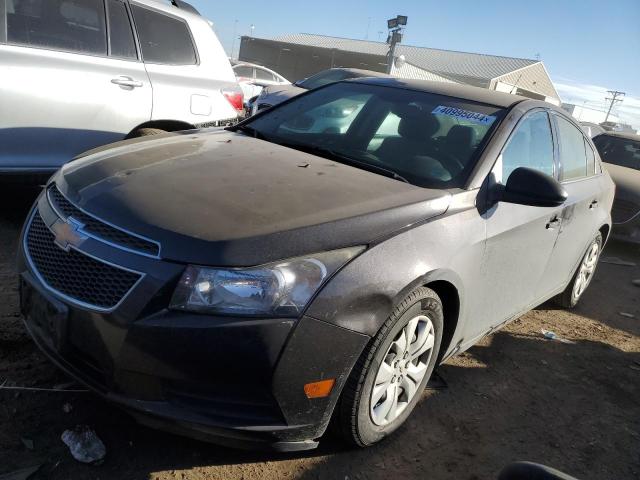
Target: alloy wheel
point(402, 370)
point(587, 268)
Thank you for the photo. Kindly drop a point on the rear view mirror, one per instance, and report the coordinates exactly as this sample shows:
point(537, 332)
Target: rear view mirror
point(527, 186)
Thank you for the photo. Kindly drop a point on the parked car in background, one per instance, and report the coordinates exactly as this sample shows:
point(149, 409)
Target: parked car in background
point(254, 283)
point(253, 78)
point(274, 95)
point(592, 129)
point(620, 153)
point(79, 74)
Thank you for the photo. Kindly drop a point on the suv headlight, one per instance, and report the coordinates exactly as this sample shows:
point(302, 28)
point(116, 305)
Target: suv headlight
point(276, 289)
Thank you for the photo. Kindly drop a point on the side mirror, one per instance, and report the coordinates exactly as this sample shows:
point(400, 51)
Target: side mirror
point(527, 186)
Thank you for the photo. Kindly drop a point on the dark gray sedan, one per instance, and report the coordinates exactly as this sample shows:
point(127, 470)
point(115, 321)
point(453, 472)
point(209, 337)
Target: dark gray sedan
point(620, 153)
point(249, 285)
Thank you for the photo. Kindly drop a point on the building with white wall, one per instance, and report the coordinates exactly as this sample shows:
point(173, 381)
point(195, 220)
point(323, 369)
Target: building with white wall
point(298, 56)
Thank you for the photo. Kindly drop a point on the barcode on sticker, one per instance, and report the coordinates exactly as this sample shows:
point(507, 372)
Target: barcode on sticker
point(461, 114)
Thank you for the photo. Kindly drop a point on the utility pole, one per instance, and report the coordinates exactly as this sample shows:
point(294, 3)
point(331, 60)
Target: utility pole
point(614, 99)
point(395, 26)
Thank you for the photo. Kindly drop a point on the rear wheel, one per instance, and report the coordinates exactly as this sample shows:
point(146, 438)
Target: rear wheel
point(391, 374)
point(583, 276)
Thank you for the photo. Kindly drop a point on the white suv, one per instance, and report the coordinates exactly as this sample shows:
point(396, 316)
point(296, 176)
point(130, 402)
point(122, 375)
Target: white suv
point(77, 74)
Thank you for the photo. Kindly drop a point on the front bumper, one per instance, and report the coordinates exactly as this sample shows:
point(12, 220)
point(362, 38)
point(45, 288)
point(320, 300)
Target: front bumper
point(235, 381)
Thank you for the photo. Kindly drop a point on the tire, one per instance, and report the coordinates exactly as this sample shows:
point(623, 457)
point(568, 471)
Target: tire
point(578, 284)
point(362, 423)
point(146, 132)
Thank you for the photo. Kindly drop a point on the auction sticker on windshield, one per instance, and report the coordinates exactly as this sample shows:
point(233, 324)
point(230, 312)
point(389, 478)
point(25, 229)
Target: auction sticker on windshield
point(461, 114)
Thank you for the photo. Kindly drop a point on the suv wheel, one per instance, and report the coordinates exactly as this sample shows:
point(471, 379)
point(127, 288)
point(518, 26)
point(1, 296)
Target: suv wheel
point(583, 276)
point(390, 376)
point(146, 132)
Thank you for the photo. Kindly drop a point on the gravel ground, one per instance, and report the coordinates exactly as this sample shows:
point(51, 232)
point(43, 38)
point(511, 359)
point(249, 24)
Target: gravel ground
point(513, 396)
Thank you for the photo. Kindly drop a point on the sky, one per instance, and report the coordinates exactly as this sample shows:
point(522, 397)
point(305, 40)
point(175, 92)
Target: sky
point(587, 46)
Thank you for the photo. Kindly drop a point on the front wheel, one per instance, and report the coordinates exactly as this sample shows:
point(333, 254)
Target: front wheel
point(391, 374)
point(583, 275)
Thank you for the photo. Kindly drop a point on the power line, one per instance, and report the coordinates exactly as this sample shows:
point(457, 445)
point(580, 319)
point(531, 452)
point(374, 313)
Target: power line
point(613, 99)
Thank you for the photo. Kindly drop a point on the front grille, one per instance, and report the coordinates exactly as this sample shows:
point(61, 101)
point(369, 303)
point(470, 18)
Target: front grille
point(74, 274)
point(100, 229)
point(623, 210)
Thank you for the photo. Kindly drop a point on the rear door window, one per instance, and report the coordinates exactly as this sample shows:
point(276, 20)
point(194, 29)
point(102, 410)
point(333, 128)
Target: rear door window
point(573, 157)
point(163, 39)
point(77, 26)
point(121, 40)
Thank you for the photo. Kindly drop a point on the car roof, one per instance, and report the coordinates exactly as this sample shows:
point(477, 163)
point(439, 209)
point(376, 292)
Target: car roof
point(180, 9)
point(465, 92)
point(237, 63)
point(626, 135)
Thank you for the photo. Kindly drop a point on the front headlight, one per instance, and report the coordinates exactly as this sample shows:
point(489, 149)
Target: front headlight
point(276, 289)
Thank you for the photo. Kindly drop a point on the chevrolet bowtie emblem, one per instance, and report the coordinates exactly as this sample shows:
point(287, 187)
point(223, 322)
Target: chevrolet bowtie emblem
point(67, 234)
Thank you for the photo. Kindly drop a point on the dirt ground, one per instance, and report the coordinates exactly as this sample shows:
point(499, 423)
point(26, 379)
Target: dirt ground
point(514, 396)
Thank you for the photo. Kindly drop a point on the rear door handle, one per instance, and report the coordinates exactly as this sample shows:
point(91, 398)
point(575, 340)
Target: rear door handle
point(126, 82)
point(593, 204)
point(553, 223)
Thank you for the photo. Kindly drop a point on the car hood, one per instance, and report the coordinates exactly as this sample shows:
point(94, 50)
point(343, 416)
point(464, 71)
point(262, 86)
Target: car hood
point(274, 95)
point(627, 181)
point(226, 199)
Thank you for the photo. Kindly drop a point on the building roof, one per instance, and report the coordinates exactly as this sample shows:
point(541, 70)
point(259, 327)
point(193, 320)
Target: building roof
point(466, 92)
point(449, 63)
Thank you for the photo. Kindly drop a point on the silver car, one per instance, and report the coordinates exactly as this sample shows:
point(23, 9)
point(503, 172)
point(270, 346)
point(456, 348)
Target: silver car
point(84, 73)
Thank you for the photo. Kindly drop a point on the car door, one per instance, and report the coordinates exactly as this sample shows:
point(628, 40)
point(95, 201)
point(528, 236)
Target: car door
point(582, 214)
point(520, 238)
point(67, 86)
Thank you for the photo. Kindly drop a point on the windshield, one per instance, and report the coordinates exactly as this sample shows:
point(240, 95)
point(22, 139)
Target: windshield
point(619, 151)
point(323, 78)
point(426, 139)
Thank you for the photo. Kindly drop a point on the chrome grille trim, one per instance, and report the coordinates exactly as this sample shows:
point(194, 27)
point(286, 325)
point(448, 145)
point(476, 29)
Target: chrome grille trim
point(85, 219)
point(70, 299)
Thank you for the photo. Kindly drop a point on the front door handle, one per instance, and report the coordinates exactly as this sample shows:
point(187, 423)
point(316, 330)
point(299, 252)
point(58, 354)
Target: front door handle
point(554, 223)
point(126, 82)
point(593, 204)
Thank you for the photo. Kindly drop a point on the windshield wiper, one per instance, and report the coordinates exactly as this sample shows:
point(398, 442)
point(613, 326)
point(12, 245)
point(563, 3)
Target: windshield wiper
point(342, 158)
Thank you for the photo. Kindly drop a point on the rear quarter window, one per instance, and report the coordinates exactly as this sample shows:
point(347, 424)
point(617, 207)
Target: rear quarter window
point(163, 39)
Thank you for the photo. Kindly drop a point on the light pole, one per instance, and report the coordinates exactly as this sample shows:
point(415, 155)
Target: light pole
point(235, 32)
point(395, 26)
point(252, 27)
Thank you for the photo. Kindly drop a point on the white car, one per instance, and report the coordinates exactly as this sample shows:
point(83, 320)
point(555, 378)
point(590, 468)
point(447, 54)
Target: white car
point(273, 95)
point(78, 74)
point(253, 78)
